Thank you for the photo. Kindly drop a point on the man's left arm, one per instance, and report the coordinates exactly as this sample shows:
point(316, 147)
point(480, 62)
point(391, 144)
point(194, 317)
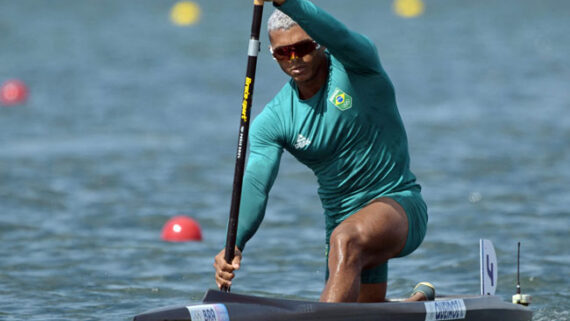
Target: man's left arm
point(354, 50)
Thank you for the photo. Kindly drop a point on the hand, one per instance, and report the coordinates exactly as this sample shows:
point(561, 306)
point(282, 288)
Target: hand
point(224, 271)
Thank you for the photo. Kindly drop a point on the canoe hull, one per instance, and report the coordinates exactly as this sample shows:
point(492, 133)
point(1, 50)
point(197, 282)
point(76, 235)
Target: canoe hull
point(221, 306)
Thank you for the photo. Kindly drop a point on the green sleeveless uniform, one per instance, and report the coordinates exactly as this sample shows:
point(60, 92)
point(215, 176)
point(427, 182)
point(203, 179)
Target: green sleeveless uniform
point(349, 134)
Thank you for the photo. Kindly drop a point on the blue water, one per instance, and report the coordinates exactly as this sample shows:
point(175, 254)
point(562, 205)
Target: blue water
point(132, 120)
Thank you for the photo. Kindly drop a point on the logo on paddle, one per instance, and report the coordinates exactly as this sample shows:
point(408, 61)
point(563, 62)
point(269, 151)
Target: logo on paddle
point(246, 94)
point(340, 99)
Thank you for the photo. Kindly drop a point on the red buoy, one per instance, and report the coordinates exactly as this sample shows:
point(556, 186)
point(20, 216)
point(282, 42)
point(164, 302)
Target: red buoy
point(13, 92)
point(181, 229)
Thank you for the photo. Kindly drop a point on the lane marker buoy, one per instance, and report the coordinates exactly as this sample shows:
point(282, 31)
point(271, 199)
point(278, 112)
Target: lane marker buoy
point(408, 8)
point(13, 92)
point(181, 229)
point(185, 13)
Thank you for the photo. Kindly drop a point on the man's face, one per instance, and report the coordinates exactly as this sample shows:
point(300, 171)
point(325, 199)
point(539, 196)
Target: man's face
point(301, 69)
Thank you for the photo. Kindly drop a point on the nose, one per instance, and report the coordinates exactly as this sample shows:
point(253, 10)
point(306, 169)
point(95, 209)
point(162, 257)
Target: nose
point(294, 56)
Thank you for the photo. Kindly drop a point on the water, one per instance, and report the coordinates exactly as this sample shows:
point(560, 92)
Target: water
point(132, 120)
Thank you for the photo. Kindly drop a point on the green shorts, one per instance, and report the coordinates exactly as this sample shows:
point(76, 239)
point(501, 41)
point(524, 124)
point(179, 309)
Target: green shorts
point(416, 210)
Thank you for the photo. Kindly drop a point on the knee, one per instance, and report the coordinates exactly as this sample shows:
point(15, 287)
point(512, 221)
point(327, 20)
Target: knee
point(346, 245)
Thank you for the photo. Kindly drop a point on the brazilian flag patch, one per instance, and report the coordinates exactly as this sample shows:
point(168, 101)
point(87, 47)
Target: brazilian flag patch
point(340, 99)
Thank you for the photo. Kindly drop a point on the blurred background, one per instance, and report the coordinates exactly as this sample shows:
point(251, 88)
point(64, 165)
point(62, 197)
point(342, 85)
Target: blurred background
point(126, 114)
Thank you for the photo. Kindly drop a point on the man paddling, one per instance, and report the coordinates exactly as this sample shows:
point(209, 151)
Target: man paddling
point(338, 116)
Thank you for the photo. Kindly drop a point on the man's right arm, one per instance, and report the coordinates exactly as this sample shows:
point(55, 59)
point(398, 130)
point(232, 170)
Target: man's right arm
point(263, 165)
point(262, 168)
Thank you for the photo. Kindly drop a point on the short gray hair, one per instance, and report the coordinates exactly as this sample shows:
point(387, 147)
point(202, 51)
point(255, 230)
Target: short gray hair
point(279, 20)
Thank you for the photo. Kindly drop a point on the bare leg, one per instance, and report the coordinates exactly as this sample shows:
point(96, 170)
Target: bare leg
point(372, 292)
point(368, 238)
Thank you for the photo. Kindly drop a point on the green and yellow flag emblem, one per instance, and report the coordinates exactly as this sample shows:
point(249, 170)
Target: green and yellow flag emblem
point(340, 99)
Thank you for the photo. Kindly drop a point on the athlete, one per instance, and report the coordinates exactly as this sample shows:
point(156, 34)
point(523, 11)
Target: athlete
point(337, 115)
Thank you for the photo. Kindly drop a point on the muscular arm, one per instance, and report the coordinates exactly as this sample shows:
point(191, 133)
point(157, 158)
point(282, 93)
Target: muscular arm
point(262, 167)
point(355, 51)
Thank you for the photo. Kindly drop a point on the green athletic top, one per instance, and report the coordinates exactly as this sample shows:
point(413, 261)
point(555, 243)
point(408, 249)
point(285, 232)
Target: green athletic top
point(349, 134)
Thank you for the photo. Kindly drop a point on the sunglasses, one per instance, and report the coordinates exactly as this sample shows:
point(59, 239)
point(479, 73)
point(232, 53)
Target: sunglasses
point(296, 50)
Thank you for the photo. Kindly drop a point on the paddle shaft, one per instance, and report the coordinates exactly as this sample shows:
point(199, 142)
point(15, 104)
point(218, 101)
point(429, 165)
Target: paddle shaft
point(243, 133)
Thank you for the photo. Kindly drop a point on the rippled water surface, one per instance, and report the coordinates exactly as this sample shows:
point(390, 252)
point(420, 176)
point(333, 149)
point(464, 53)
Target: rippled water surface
point(132, 120)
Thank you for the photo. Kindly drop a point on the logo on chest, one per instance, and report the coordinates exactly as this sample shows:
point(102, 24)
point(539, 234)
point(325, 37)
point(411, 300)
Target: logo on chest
point(340, 99)
point(302, 142)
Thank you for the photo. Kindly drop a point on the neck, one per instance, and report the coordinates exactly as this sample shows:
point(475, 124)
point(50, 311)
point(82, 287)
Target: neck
point(310, 87)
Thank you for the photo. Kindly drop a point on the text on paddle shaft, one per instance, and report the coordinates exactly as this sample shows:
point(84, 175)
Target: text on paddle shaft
point(246, 94)
point(240, 142)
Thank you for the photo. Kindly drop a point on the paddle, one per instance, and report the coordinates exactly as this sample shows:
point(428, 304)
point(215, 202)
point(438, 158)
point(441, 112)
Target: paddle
point(253, 51)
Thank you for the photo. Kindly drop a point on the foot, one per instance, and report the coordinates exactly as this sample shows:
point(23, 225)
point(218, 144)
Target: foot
point(423, 291)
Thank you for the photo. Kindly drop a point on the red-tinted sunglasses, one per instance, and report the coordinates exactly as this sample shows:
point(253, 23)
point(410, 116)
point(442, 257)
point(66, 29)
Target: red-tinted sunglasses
point(296, 50)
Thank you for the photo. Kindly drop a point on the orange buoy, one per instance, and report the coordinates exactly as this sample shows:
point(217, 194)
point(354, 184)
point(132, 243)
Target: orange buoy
point(181, 229)
point(13, 92)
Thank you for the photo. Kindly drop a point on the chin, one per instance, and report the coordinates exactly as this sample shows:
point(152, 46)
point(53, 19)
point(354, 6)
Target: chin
point(302, 78)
